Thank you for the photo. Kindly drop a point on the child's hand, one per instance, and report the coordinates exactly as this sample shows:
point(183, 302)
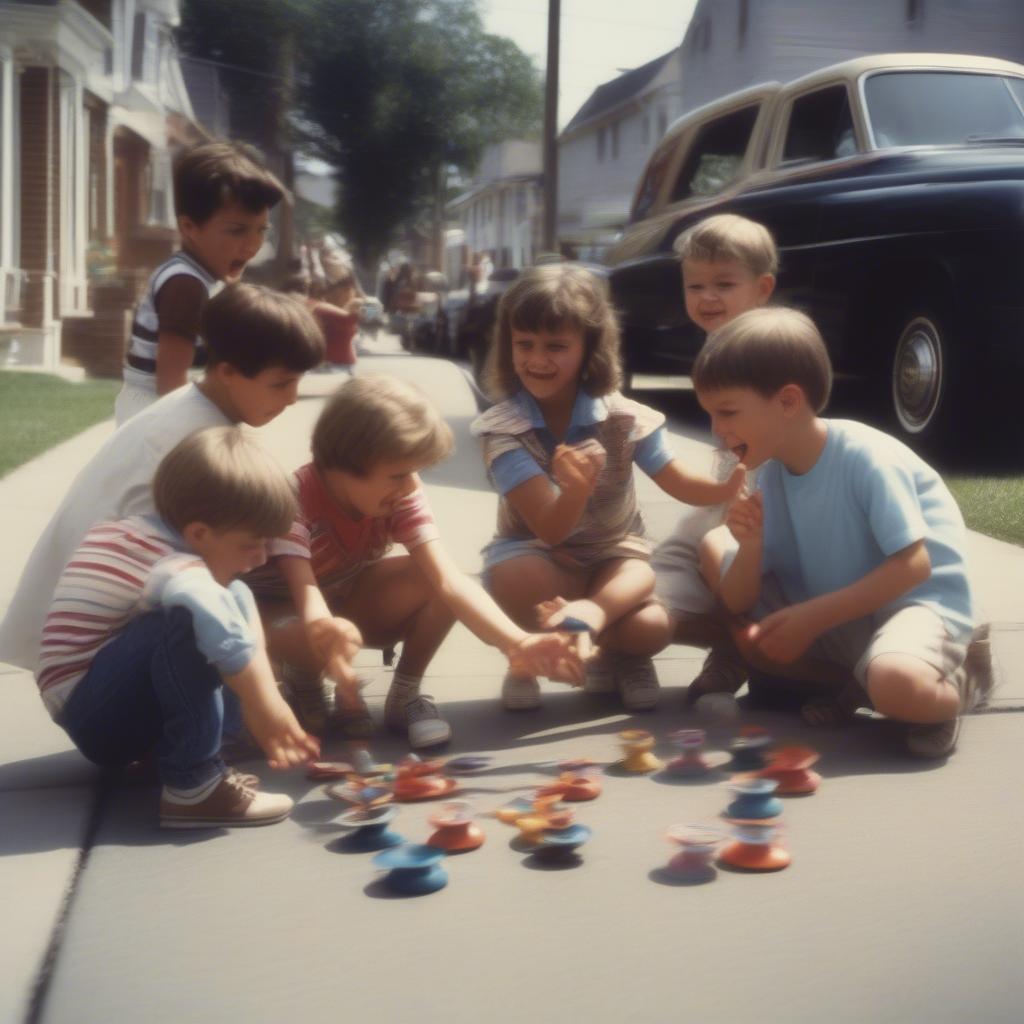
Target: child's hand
point(335, 642)
point(784, 635)
point(576, 469)
point(737, 482)
point(551, 614)
point(547, 654)
point(745, 519)
point(274, 727)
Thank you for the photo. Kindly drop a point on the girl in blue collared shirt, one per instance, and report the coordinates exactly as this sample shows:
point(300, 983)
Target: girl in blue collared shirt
point(559, 448)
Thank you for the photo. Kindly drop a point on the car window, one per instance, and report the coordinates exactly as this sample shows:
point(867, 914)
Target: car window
point(652, 181)
point(920, 108)
point(820, 127)
point(715, 158)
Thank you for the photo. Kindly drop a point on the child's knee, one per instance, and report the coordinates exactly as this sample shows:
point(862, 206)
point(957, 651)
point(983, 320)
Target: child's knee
point(898, 683)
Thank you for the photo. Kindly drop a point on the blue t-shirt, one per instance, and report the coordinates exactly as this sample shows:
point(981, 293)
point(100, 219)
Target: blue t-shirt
point(867, 497)
point(511, 469)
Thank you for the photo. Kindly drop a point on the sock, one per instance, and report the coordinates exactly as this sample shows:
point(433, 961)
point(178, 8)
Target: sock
point(404, 681)
point(195, 795)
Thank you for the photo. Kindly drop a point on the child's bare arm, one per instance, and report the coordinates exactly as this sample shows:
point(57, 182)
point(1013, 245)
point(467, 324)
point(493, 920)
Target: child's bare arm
point(693, 489)
point(740, 586)
point(785, 635)
point(268, 717)
point(174, 355)
point(552, 513)
point(543, 654)
point(335, 641)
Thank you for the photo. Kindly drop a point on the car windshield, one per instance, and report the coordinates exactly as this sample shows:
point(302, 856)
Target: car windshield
point(935, 108)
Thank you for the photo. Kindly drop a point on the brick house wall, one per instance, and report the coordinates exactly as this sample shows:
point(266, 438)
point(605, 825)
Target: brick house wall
point(40, 193)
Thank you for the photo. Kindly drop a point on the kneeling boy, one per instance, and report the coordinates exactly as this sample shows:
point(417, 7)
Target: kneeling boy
point(148, 621)
point(852, 549)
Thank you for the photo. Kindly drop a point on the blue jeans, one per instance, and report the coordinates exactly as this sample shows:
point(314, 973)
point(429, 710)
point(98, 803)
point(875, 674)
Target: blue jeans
point(151, 689)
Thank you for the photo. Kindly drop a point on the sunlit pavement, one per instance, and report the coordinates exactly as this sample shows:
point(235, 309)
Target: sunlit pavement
point(903, 901)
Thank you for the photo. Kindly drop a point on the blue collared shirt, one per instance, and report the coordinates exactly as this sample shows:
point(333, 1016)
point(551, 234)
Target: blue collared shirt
point(513, 468)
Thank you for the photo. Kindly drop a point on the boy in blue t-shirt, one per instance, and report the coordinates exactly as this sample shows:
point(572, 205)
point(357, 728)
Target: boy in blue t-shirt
point(850, 551)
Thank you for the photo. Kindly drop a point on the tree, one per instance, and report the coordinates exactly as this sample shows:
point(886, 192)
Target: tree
point(396, 90)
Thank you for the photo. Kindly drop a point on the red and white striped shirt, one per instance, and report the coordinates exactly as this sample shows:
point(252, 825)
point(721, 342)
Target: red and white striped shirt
point(100, 591)
point(339, 548)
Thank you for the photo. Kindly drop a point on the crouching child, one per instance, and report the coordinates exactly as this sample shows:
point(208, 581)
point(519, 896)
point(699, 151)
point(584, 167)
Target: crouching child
point(149, 623)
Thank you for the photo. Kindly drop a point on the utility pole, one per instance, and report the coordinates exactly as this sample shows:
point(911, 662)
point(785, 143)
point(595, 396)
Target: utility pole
point(551, 130)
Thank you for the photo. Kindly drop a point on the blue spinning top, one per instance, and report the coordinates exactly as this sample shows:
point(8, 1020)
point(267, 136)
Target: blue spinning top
point(755, 800)
point(369, 829)
point(562, 842)
point(413, 870)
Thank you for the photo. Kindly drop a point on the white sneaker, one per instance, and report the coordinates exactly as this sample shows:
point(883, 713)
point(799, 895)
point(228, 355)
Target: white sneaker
point(598, 676)
point(417, 715)
point(520, 693)
point(637, 681)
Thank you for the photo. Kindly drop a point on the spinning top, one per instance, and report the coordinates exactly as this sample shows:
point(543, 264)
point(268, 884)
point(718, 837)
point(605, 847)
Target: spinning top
point(692, 760)
point(562, 843)
point(749, 752)
point(790, 767)
point(578, 781)
point(369, 829)
point(697, 846)
point(754, 848)
point(421, 780)
point(755, 799)
point(413, 870)
point(456, 832)
point(637, 745)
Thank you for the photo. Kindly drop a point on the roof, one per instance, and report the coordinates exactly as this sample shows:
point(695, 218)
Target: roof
point(618, 90)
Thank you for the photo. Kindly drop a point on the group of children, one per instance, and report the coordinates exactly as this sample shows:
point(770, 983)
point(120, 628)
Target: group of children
point(185, 582)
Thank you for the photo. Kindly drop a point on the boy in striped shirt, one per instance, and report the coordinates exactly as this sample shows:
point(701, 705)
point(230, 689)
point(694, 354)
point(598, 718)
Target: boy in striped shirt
point(222, 198)
point(149, 622)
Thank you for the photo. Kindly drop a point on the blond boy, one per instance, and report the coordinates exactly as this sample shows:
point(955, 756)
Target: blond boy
point(728, 265)
point(149, 622)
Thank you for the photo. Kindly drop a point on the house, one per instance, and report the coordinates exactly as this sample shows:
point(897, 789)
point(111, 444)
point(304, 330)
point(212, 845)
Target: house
point(91, 103)
point(603, 150)
point(731, 44)
point(500, 210)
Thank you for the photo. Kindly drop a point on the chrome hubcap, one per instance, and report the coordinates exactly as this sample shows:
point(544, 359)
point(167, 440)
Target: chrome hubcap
point(917, 375)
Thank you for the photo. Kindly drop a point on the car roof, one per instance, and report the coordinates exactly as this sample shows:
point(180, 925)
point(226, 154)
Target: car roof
point(853, 69)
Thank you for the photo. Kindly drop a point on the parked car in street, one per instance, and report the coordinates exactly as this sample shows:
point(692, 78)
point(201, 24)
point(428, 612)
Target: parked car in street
point(894, 187)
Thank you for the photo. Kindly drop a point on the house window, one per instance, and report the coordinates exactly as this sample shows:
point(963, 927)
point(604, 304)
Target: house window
point(741, 23)
point(600, 144)
point(615, 140)
point(820, 127)
point(915, 12)
point(145, 47)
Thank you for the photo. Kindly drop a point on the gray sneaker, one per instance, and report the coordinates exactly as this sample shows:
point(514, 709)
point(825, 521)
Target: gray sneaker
point(637, 681)
point(974, 680)
point(723, 671)
point(415, 714)
point(598, 676)
point(310, 697)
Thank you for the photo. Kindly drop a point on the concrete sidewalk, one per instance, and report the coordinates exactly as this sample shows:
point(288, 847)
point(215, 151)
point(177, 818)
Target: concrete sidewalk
point(903, 902)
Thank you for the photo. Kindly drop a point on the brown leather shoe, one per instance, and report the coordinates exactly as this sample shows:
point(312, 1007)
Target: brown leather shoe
point(231, 803)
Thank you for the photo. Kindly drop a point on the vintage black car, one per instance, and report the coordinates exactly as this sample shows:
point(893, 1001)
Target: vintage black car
point(894, 186)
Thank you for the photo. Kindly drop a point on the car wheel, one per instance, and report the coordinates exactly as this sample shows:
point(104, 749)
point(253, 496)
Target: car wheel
point(919, 377)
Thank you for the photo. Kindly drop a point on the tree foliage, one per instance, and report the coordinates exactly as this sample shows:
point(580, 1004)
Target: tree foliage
point(387, 91)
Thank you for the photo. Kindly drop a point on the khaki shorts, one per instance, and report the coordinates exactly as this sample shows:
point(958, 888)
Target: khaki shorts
point(915, 630)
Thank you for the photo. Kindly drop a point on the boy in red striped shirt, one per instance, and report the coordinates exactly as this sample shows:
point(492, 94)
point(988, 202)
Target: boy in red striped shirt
point(148, 623)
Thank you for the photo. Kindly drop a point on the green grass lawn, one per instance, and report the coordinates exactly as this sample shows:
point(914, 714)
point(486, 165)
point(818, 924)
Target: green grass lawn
point(991, 504)
point(38, 410)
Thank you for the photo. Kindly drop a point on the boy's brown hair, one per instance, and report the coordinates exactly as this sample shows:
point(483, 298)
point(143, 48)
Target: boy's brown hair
point(222, 478)
point(212, 174)
point(374, 418)
point(764, 350)
point(254, 328)
point(554, 297)
point(727, 236)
